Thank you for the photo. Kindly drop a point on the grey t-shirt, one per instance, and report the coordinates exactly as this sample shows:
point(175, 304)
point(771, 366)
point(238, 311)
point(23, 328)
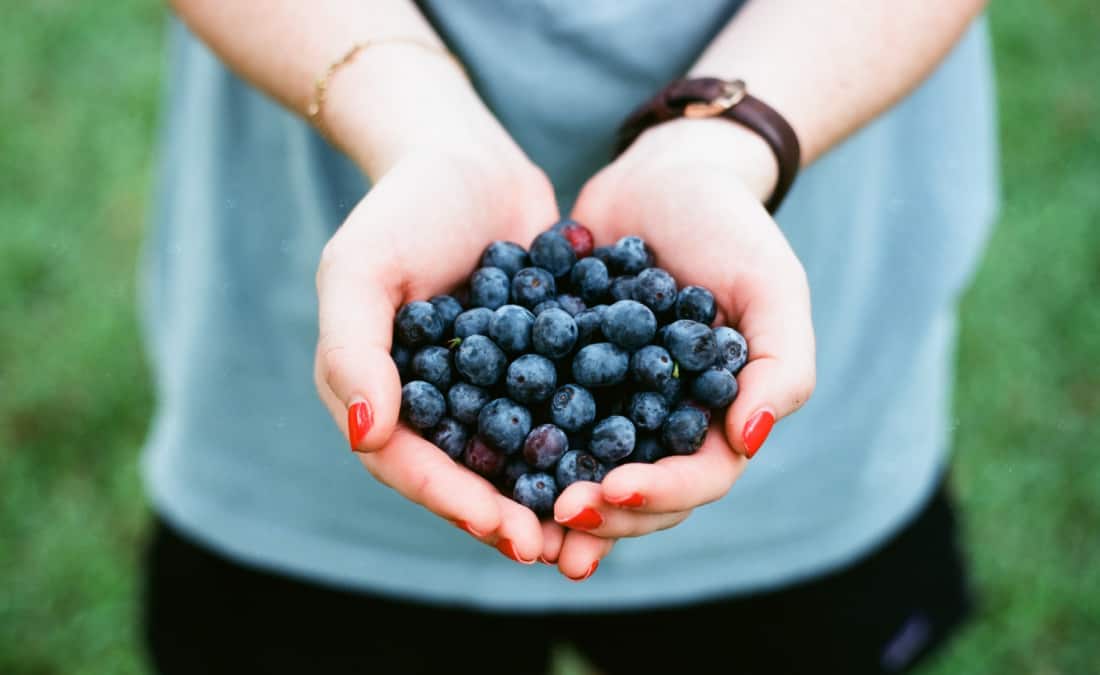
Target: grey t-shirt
point(244, 458)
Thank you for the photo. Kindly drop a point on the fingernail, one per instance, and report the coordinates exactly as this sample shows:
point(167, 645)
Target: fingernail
point(506, 547)
point(756, 431)
point(360, 419)
point(463, 525)
point(590, 572)
point(632, 502)
point(588, 519)
point(544, 561)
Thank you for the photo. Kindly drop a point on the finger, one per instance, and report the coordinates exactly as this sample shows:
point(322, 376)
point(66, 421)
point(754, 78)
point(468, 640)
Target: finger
point(552, 537)
point(780, 375)
point(353, 350)
point(582, 507)
point(520, 534)
point(581, 554)
point(677, 483)
point(426, 475)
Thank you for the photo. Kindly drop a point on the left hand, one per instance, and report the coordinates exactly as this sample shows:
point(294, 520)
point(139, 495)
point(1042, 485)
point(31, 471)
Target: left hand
point(693, 189)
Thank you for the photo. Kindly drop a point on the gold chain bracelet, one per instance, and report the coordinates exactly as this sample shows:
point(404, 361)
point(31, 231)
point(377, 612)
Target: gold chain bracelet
point(320, 88)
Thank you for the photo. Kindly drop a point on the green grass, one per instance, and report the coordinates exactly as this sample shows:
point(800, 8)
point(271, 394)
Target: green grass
point(79, 96)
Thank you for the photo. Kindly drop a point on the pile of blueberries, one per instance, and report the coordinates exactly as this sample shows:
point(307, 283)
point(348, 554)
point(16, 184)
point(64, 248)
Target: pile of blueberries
point(563, 362)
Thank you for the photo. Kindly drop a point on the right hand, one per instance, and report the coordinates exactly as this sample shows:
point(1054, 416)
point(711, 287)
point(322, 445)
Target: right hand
point(419, 232)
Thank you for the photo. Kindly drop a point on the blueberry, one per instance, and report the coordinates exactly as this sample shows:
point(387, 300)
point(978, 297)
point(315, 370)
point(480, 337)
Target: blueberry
point(629, 324)
point(489, 287)
point(514, 467)
point(402, 358)
point(733, 350)
point(630, 255)
point(422, 406)
point(603, 254)
point(651, 366)
point(418, 324)
point(448, 309)
point(684, 430)
point(473, 322)
point(531, 379)
point(578, 465)
point(590, 279)
point(571, 304)
point(480, 361)
point(545, 305)
point(714, 387)
point(482, 458)
point(554, 333)
point(533, 285)
point(579, 236)
point(648, 410)
point(622, 288)
point(696, 304)
point(504, 424)
point(572, 408)
point(450, 436)
point(672, 390)
point(465, 401)
point(600, 365)
point(552, 252)
point(691, 344)
point(544, 446)
point(647, 449)
point(588, 325)
point(511, 328)
point(612, 439)
point(506, 256)
point(536, 491)
point(656, 289)
point(433, 365)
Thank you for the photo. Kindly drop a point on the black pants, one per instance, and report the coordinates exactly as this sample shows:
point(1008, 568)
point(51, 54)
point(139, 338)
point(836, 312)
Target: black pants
point(205, 614)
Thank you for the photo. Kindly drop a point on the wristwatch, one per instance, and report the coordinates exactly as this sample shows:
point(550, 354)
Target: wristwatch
point(713, 97)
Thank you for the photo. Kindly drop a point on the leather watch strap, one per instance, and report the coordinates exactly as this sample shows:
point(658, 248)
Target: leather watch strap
point(712, 97)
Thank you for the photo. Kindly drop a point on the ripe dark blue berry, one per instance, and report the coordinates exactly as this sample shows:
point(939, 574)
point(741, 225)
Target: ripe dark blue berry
point(733, 350)
point(536, 491)
point(691, 344)
point(465, 402)
point(489, 287)
point(630, 255)
point(647, 448)
point(656, 289)
point(402, 358)
point(602, 364)
point(533, 285)
point(588, 325)
point(577, 465)
point(629, 324)
point(482, 458)
point(612, 439)
point(531, 379)
point(504, 424)
point(473, 322)
point(590, 279)
point(622, 288)
point(480, 361)
point(648, 410)
point(651, 367)
point(433, 365)
point(545, 305)
point(422, 406)
point(544, 446)
point(505, 255)
point(571, 304)
point(603, 254)
point(552, 252)
point(696, 303)
point(572, 408)
point(450, 436)
point(448, 309)
point(554, 333)
point(514, 467)
point(714, 387)
point(684, 430)
point(511, 328)
point(418, 324)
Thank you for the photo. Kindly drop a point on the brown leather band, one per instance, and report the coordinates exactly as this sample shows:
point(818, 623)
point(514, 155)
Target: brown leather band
point(671, 102)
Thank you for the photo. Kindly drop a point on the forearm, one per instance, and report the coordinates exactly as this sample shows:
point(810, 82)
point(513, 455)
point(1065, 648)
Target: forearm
point(829, 67)
point(391, 100)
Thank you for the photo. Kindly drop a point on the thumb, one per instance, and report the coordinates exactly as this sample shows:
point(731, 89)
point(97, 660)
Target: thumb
point(354, 372)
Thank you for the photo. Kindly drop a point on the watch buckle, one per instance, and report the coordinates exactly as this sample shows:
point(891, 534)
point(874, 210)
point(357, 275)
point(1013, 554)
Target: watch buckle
point(733, 92)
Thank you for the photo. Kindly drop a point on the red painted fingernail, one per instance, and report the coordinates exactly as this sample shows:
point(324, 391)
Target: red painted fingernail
point(360, 419)
point(506, 547)
point(588, 519)
point(632, 502)
point(756, 431)
point(590, 572)
point(544, 561)
point(463, 525)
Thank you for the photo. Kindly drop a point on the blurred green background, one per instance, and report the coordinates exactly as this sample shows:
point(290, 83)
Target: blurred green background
point(79, 96)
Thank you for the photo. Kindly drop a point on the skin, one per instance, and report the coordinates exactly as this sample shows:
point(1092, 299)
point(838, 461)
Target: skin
point(843, 62)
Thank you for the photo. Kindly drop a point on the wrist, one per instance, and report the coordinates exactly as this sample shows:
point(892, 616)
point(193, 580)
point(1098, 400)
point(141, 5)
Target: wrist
point(714, 142)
